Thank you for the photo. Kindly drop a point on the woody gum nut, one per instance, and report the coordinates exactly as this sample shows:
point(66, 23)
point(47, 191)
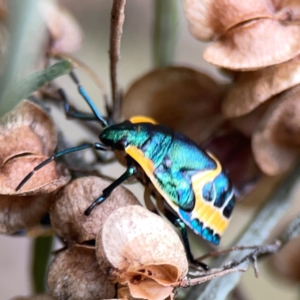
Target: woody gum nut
point(36, 128)
point(145, 252)
point(75, 274)
point(67, 211)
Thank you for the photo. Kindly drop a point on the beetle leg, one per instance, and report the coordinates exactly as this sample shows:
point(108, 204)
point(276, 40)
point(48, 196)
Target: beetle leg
point(72, 112)
point(88, 100)
point(177, 222)
point(97, 146)
point(106, 192)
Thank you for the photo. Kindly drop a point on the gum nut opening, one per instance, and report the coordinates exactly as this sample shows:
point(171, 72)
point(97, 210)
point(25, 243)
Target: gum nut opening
point(251, 89)
point(182, 98)
point(275, 143)
point(46, 180)
point(251, 46)
point(67, 211)
point(75, 274)
point(33, 125)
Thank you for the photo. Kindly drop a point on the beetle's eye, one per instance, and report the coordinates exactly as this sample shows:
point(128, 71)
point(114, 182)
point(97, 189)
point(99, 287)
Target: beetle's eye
point(209, 191)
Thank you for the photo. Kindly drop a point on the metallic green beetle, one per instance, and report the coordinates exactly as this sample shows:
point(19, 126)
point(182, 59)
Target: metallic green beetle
point(190, 180)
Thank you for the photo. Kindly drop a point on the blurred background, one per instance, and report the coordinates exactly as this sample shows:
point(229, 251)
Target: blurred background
point(136, 59)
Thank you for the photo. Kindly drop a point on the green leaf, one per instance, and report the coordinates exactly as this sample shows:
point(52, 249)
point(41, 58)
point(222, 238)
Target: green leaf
point(42, 247)
point(25, 87)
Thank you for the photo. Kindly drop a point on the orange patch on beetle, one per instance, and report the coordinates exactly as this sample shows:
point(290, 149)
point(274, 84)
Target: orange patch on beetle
point(142, 119)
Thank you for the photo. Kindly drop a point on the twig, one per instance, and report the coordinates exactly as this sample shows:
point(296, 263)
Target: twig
point(225, 251)
point(116, 30)
point(216, 273)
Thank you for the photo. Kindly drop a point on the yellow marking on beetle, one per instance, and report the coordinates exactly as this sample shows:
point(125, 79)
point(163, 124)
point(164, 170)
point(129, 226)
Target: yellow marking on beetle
point(221, 225)
point(142, 119)
point(148, 167)
point(138, 155)
point(210, 215)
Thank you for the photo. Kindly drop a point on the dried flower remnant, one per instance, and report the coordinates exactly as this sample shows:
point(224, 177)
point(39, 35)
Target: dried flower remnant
point(64, 30)
point(67, 210)
point(242, 31)
point(191, 98)
point(251, 89)
point(275, 142)
point(27, 137)
point(142, 251)
point(75, 274)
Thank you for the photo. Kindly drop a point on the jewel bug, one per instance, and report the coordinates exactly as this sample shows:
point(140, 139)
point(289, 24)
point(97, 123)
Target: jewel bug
point(190, 180)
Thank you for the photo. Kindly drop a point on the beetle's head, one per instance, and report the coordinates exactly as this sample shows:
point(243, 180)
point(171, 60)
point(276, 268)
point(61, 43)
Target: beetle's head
point(118, 136)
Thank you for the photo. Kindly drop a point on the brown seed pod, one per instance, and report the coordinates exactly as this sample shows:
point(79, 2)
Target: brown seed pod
point(210, 19)
point(26, 130)
point(191, 98)
point(141, 250)
point(251, 46)
point(276, 141)
point(45, 180)
point(18, 213)
point(67, 211)
point(251, 89)
point(242, 31)
point(75, 274)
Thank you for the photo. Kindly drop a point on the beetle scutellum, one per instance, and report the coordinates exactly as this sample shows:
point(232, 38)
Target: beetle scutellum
point(190, 180)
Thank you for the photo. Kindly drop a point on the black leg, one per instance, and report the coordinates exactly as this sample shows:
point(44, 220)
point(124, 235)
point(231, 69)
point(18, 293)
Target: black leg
point(97, 146)
point(182, 227)
point(106, 192)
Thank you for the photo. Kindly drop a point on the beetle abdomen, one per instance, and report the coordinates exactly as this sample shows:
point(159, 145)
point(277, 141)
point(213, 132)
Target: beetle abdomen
point(190, 180)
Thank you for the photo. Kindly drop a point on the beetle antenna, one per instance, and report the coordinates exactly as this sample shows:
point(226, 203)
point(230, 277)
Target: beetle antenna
point(88, 100)
point(97, 146)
